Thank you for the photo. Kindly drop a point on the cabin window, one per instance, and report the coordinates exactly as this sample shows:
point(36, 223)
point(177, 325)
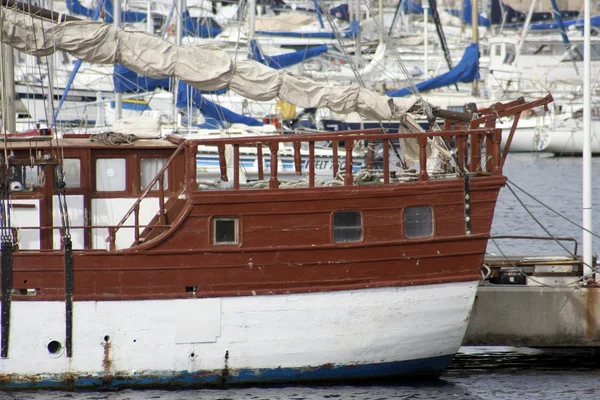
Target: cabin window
point(418, 221)
point(225, 231)
point(23, 178)
point(347, 226)
point(111, 175)
point(72, 172)
point(149, 168)
point(497, 50)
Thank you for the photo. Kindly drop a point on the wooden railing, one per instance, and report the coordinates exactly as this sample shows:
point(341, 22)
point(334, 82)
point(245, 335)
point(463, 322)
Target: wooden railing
point(135, 208)
point(467, 145)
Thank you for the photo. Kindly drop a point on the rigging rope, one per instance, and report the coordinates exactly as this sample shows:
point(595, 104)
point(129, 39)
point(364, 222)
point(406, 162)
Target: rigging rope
point(575, 256)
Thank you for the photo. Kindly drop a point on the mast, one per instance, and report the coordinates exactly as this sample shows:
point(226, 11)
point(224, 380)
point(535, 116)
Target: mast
point(10, 123)
point(475, 39)
point(149, 21)
point(587, 150)
point(118, 96)
point(425, 39)
point(440, 32)
point(561, 28)
point(357, 44)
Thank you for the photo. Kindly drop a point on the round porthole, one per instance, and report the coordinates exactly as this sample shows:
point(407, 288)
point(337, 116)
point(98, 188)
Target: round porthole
point(55, 348)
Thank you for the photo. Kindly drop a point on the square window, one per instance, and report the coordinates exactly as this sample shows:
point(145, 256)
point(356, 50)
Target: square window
point(111, 175)
point(23, 178)
point(225, 231)
point(72, 172)
point(347, 226)
point(149, 168)
point(418, 221)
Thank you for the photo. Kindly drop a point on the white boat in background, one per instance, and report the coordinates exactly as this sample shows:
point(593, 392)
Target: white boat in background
point(541, 65)
point(567, 139)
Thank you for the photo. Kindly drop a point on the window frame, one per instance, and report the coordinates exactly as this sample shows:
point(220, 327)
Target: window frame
point(362, 227)
point(405, 224)
point(237, 231)
point(167, 187)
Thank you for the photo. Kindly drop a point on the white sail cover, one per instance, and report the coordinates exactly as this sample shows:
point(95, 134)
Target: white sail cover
point(200, 66)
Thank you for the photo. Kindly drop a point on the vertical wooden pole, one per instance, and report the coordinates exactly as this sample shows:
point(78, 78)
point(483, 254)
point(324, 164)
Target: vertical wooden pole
point(348, 179)
point(386, 161)
point(259, 160)
point(273, 181)
point(311, 164)
point(222, 162)
point(423, 158)
point(236, 166)
point(297, 158)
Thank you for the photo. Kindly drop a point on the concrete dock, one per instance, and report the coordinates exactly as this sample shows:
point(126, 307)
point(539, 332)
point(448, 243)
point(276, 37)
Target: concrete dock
point(535, 302)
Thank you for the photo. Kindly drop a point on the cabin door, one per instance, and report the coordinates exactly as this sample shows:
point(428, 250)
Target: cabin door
point(75, 172)
point(25, 217)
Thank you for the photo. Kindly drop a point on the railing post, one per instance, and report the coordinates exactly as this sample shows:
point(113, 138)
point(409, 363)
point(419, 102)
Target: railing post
point(386, 161)
point(476, 152)
point(496, 157)
point(489, 146)
point(336, 163)
point(236, 166)
point(111, 239)
point(15, 239)
point(348, 179)
point(222, 162)
point(423, 157)
point(136, 222)
point(259, 160)
point(370, 155)
point(297, 158)
point(273, 181)
point(192, 168)
point(311, 164)
point(461, 145)
point(161, 201)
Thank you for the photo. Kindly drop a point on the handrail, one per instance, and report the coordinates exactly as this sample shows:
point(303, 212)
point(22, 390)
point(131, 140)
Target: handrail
point(149, 187)
point(366, 134)
point(469, 160)
point(563, 239)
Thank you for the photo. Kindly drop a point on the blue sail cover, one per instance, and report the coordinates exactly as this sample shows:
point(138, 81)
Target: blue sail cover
point(410, 7)
point(75, 7)
point(350, 32)
point(514, 19)
point(577, 23)
point(466, 15)
point(467, 70)
point(284, 60)
point(203, 27)
point(341, 12)
point(128, 81)
point(187, 93)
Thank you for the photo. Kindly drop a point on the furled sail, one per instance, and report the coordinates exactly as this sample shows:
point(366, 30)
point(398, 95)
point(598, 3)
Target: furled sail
point(199, 66)
point(467, 70)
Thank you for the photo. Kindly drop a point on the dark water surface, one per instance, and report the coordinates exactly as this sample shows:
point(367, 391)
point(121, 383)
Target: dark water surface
point(477, 373)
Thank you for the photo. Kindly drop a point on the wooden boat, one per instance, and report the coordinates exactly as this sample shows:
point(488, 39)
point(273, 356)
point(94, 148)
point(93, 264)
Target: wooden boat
point(112, 277)
point(122, 267)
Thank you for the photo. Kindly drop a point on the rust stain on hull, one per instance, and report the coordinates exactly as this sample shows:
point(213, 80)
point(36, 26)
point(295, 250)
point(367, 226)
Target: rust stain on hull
point(591, 321)
point(106, 362)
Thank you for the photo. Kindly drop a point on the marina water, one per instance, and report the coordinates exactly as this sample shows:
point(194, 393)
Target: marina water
point(477, 372)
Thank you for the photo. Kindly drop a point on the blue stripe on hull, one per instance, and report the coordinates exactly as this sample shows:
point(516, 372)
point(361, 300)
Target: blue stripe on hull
point(429, 367)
